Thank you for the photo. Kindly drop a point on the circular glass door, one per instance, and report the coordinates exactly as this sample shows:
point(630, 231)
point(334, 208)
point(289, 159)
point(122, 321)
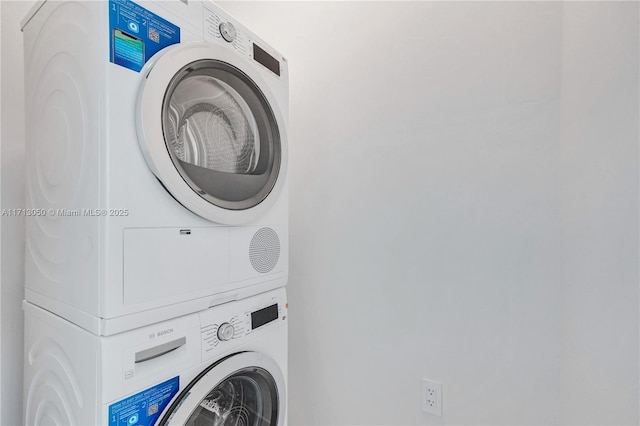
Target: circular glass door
point(211, 127)
point(221, 134)
point(245, 389)
point(247, 398)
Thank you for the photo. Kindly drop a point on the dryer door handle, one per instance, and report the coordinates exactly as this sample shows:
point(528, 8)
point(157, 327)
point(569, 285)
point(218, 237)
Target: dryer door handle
point(160, 350)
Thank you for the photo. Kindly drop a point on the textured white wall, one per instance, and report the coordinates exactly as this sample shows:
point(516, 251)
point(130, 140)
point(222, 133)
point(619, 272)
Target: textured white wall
point(440, 209)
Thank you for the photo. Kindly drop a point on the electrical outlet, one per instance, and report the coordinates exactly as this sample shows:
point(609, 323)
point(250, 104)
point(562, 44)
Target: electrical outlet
point(432, 397)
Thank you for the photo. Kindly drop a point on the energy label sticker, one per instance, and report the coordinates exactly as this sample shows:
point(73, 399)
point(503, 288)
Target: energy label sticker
point(137, 34)
point(143, 408)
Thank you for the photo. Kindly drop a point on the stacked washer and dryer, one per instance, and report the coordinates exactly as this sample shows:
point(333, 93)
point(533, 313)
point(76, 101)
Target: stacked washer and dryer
point(157, 202)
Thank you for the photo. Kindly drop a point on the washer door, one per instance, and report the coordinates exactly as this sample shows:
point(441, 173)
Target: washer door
point(211, 132)
point(245, 389)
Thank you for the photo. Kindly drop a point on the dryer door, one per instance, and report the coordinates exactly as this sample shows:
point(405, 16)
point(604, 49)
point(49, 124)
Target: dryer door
point(243, 389)
point(212, 132)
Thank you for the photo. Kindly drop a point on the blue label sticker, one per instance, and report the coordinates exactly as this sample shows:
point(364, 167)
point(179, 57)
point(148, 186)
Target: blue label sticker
point(143, 408)
point(137, 34)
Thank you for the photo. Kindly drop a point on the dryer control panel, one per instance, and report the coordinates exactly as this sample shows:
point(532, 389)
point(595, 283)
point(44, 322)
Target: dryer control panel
point(225, 327)
point(220, 28)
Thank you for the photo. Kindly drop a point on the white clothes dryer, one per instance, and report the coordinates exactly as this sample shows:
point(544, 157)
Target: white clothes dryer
point(156, 161)
point(223, 366)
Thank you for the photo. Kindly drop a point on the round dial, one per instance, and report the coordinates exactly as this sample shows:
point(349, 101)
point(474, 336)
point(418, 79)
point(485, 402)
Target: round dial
point(228, 31)
point(225, 331)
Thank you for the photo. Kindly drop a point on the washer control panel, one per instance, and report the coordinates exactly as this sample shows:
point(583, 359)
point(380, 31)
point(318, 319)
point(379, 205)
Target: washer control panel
point(225, 326)
point(225, 331)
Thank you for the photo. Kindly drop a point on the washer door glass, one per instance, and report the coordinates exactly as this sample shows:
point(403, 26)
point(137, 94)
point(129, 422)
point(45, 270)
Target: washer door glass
point(248, 397)
point(221, 134)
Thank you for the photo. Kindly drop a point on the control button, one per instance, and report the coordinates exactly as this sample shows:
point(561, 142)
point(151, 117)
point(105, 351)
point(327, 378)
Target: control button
point(225, 331)
point(228, 31)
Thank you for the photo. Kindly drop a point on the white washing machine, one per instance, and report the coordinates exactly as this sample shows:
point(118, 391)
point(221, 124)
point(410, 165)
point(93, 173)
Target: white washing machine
point(156, 161)
point(223, 366)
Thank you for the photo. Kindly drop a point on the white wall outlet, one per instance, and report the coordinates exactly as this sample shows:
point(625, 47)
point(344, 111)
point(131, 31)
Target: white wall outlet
point(432, 397)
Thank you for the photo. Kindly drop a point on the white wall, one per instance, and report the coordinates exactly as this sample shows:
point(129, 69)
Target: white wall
point(431, 230)
point(440, 201)
point(599, 212)
point(424, 215)
point(12, 196)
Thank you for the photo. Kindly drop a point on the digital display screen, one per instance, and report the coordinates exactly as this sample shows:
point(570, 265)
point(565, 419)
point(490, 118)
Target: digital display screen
point(264, 316)
point(265, 59)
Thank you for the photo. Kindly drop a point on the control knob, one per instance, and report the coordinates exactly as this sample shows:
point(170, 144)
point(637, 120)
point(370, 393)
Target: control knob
point(225, 332)
point(227, 31)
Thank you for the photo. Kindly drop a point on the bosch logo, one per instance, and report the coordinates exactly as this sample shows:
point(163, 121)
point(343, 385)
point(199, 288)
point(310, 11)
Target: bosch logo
point(163, 332)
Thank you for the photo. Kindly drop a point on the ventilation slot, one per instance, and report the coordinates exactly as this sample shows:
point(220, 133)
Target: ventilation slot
point(264, 250)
